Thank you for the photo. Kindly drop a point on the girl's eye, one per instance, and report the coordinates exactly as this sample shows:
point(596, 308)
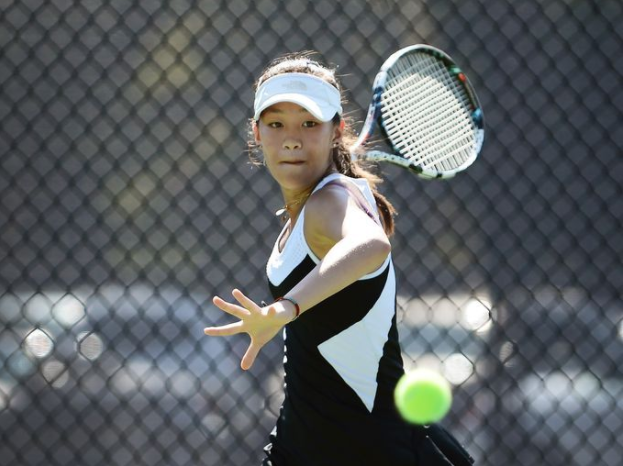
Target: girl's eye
point(274, 124)
point(310, 124)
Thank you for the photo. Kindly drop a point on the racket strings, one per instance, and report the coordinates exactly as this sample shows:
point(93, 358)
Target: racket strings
point(429, 100)
point(427, 113)
point(447, 145)
point(437, 142)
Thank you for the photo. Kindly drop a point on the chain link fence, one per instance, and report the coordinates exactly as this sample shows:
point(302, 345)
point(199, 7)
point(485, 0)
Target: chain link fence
point(127, 201)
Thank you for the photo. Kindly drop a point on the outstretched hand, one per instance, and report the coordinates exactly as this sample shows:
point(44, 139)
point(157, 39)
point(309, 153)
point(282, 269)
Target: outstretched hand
point(261, 323)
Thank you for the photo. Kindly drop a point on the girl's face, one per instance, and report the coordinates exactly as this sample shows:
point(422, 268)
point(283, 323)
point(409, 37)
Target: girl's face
point(297, 147)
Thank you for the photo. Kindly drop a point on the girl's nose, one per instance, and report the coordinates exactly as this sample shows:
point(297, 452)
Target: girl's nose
point(292, 143)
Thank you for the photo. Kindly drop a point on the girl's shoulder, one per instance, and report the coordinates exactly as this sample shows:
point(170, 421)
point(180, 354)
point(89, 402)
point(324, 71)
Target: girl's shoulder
point(325, 216)
point(328, 201)
point(333, 193)
point(328, 206)
point(339, 179)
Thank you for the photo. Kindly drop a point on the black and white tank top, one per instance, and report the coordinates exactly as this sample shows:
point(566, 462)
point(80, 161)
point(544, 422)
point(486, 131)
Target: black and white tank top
point(342, 360)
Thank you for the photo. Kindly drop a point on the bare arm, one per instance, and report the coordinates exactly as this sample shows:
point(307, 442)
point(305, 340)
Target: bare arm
point(350, 245)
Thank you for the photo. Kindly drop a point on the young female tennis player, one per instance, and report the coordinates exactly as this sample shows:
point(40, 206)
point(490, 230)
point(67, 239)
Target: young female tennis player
point(333, 284)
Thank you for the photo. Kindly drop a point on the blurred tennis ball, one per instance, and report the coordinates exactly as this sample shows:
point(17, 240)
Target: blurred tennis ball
point(423, 397)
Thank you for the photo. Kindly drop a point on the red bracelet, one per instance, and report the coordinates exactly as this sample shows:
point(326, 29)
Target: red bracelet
point(296, 306)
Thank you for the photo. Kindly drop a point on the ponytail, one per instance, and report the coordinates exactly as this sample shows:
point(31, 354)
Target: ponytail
point(354, 169)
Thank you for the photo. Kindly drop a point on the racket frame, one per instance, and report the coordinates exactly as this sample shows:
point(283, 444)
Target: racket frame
point(374, 116)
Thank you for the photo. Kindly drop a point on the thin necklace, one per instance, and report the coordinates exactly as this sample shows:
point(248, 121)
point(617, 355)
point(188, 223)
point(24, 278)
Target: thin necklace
point(283, 212)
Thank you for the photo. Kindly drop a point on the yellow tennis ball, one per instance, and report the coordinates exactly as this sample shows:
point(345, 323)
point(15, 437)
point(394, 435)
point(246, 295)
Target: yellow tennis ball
point(423, 397)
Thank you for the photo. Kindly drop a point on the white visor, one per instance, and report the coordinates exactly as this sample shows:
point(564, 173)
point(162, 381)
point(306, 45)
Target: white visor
point(314, 94)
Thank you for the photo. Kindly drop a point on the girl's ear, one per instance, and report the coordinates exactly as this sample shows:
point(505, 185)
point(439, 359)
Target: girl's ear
point(338, 132)
point(256, 132)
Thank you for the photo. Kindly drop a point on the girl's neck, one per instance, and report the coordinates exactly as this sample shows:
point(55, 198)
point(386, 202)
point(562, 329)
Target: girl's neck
point(293, 205)
point(294, 201)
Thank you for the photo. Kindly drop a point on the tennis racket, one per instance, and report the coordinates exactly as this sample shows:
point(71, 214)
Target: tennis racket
point(428, 113)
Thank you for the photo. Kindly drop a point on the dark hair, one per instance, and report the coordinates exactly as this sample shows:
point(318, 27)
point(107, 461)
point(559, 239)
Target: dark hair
point(302, 63)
